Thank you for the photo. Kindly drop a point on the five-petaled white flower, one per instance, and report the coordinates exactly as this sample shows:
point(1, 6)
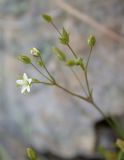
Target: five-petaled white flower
point(25, 83)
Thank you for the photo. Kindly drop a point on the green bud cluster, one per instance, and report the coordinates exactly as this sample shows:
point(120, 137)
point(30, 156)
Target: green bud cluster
point(75, 62)
point(64, 38)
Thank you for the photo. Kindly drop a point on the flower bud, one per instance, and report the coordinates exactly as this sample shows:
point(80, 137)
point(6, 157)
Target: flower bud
point(60, 54)
point(40, 63)
point(24, 59)
point(31, 154)
point(64, 38)
point(35, 52)
point(71, 63)
point(79, 61)
point(91, 41)
point(47, 18)
point(34, 80)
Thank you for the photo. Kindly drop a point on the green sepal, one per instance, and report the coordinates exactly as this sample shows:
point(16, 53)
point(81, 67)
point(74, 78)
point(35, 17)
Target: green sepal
point(24, 59)
point(91, 41)
point(40, 63)
point(35, 52)
point(64, 38)
point(70, 63)
point(47, 18)
point(59, 53)
point(75, 62)
point(79, 61)
point(34, 80)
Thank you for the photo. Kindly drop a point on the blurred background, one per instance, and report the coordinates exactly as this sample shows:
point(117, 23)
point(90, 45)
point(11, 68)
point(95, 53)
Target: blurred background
point(48, 119)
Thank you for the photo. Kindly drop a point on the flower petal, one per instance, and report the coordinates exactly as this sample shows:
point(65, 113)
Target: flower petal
point(25, 77)
point(29, 80)
point(20, 82)
point(24, 88)
point(28, 88)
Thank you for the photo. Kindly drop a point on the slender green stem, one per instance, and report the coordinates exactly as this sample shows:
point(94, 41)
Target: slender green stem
point(71, 93)
point(45, 83)
point(88, 58)
point(40, 72)
point(78, 79)
point(90, 101)
point(47, 70)
point(85, 72)
point(113, 124)
point(98, 109)
point(53, 24)
point(87, 100)
point(117, 127)
point(74, 54)
point(87, 82)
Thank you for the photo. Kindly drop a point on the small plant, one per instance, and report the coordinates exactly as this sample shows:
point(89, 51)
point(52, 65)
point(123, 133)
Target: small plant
point(109, 155)
point(31, 154)
point(75, 61)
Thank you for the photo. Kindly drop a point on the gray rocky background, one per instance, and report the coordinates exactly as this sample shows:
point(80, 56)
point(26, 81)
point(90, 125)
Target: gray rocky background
point(47, 118)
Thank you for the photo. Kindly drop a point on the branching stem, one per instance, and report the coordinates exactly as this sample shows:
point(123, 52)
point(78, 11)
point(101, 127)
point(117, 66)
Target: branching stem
point(40, 72)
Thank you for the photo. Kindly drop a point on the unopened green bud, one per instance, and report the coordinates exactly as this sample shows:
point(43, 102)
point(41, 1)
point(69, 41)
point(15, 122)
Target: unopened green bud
point(35, 52)
point(34, 80)
point(47, 18)
point(91, 41)
point(40, 63)
point(79, 61)
point(70, 63)
point(60, 54)
point(31, 154)
point(24, 59)
point(64, 38)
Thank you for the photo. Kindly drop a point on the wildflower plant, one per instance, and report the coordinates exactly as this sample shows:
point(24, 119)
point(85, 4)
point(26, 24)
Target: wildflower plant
point(74, 61)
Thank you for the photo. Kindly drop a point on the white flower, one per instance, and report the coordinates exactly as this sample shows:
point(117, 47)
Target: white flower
point(25, 83)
